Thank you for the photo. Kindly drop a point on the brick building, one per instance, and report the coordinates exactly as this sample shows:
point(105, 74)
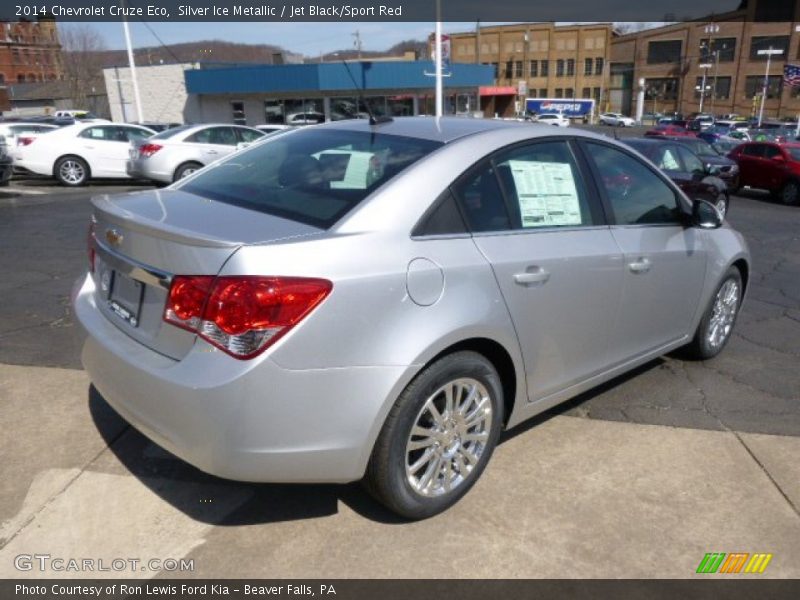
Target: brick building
point(29, 52)
point(552, 61)
point(674, 59)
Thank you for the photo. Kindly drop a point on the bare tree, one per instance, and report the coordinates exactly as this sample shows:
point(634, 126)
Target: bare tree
point(82, 49)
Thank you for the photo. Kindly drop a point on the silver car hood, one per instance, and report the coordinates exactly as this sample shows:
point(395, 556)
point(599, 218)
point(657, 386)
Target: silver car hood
point(186, 218)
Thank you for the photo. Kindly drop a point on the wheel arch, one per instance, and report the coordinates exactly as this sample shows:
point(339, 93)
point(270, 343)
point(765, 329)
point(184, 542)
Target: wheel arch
point(744, 270)
point(182, 164)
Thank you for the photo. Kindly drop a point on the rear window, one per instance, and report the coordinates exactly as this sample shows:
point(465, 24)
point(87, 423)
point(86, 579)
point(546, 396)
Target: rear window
point(313, 176)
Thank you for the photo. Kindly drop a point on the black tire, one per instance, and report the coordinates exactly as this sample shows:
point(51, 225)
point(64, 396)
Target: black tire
point(701, 348)
point(386, 477)
point(726, 203)
point(790, 193)
point(185, 170)
point(72, 171)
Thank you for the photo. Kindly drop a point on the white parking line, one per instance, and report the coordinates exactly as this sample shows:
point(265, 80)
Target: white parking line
point(22, 191)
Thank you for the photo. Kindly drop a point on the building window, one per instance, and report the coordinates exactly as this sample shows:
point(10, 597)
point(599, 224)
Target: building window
point(776, 42)
point(544, 68)
point(543, 92)
point(273, 111)
point(598, 65)
point(723, 49)
point(559, 68)
point(664, 52)
point(534, 72)
point(570, 67)
point(2, 78)
point(663, 88)
point(587, 66)
point(509, 73)
point(238, 113)
point(569, 93)
point(20, 78)
point(559, 93)
point(15, 56)
point(518, 68)
point(586, 93)
point(754, 86)
point(596, 94)
point(723, 88)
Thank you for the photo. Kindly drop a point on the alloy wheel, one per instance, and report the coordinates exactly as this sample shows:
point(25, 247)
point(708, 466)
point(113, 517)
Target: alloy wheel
point(72, 172)
point(723, 314)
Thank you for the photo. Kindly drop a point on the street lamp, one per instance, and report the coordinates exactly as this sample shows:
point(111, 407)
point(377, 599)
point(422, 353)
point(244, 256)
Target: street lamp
point(769, 53)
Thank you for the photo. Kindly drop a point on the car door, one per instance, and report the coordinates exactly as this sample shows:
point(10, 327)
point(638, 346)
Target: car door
point(750, 158)
point(100, 146)
point(774, 164)
point(664, 261)
point(556, 263)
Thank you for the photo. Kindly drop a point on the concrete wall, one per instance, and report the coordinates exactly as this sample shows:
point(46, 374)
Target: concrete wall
point(162, 90)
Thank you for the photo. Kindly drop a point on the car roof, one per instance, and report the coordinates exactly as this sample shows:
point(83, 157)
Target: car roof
point(442, 129)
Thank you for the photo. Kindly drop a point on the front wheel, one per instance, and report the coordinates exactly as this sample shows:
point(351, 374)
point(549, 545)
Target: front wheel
point(717, 323)
point(438, 436)
point(790, 193)
point(722, 204)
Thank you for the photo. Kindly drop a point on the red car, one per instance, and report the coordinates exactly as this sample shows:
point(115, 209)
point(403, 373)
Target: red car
point(770, 166)
point(669, 131)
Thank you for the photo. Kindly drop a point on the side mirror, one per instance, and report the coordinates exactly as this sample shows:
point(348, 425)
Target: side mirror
point(713, 169)
point(705, 215)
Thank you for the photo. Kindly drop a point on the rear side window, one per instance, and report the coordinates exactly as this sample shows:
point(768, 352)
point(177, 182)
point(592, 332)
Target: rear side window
point(248, 135)
point(772, 152)
point(482, 200)
point(544, 187)
point(636, 194)
point(312, 176)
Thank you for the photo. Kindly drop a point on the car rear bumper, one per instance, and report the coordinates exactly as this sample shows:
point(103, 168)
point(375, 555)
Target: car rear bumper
point(243, 420)
point(139, 169)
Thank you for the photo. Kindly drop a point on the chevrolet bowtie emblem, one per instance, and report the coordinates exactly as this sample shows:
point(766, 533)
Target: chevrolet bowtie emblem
point(113, 237)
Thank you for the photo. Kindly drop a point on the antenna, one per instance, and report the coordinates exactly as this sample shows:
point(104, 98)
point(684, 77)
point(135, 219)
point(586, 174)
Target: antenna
point(373, 120)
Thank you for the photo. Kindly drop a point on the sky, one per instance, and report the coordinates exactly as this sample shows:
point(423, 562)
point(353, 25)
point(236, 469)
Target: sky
point(309, 39)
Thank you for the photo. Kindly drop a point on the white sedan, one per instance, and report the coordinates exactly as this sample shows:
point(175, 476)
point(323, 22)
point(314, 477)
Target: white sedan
point(77, 153)
point(617, 120)
point(552, 119)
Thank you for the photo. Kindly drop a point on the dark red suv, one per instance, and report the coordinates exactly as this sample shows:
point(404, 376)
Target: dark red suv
point(770, 166)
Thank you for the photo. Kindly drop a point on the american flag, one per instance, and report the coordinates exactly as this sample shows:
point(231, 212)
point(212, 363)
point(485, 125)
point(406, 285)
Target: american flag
point(791, 75)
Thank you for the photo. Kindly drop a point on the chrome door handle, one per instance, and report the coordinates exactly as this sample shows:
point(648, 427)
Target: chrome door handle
point(211, 152)
point(531, 277)
point(641, 265)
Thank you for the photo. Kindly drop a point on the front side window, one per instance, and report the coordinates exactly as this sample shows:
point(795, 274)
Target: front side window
point(248, 135)
point(637, 195)
point(756, 150)
point(690, 161)
point(310, 176)
point(224, 136)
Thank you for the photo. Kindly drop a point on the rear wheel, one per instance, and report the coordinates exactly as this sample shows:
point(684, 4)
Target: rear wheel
point(438, 437)
point(185, 170)
point(71, 171)
point(717, 323)
point(790, 193)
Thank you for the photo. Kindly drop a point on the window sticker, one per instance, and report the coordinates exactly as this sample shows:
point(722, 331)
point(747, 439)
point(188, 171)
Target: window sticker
point(546, 192)
point(358, 171)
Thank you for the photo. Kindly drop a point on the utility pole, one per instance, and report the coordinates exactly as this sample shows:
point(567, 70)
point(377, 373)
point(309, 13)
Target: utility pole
point(357, 43)
point(132, 65)
point(769, 54)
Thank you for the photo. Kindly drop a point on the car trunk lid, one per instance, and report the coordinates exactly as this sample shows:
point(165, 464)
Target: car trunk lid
point(142, 239)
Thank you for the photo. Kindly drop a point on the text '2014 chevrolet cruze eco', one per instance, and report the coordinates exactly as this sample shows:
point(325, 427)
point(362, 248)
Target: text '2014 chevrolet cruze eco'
point(379, 301)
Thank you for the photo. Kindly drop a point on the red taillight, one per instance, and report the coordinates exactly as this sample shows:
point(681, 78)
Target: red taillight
point(147, 150)
point(90, 244)
point(242, 316)
point(25, 141)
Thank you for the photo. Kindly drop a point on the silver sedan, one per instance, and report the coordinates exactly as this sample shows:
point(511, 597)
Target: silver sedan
point(180, 151)
point(379, 301)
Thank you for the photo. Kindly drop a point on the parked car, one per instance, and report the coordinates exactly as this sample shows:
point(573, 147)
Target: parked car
point(345, 302)
point(21, 134)
point(770, 166)
point(668, 131)
point(305, 118)
point(179, 152)
point(698, 180)
point(78, 153)
point(616, 120)
point(157, 126)
point(714, 160)
point(269, 128)
point(556, 119)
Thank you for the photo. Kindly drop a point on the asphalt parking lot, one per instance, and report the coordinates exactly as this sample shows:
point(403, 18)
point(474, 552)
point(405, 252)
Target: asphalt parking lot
point(638, 478)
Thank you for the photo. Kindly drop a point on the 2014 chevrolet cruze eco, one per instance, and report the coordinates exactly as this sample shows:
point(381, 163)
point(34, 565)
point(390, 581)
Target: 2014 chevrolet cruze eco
point(379, 301)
